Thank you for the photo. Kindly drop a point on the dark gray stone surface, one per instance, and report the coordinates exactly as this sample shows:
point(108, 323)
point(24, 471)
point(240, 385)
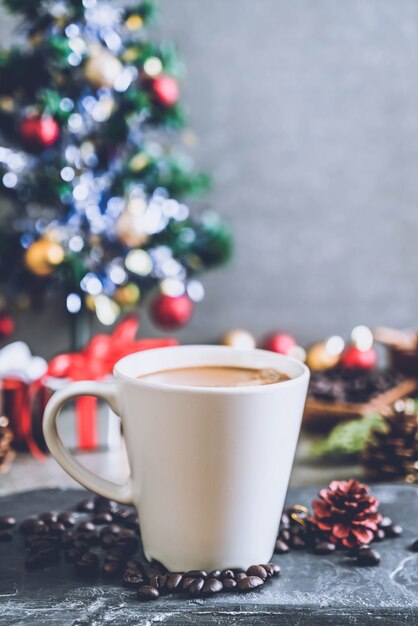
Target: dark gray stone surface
point(312, 590)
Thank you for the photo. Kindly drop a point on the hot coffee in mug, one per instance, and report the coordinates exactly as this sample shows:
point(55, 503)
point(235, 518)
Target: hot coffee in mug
point(210, 434)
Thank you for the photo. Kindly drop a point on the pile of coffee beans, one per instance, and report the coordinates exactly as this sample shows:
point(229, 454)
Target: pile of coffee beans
point(196, 583)
point(297, 532)
point(351, 386)
point(101, 537)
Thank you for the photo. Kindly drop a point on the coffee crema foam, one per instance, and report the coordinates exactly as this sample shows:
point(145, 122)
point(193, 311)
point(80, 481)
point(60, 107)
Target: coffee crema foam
point(216, 376)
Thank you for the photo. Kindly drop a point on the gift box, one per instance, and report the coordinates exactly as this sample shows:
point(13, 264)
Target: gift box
point(88, 423)
point(21, 376)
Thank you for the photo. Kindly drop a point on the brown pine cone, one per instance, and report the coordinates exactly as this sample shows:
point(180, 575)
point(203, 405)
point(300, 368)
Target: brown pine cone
point(392, 452)
point(346, 513)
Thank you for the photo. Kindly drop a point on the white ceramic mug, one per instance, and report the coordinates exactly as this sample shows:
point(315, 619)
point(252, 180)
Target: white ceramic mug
point(209, 465)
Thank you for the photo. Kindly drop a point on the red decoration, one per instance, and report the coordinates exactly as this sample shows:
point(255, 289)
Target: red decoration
point(353, 358)
point(347, 513)
point(39, 132)
point(170, 313)
point(95, 362)
point(166, 90)
point(279, 342)
point(7, 326)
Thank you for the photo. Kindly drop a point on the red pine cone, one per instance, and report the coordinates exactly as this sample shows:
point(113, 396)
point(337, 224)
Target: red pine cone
point(347, 513)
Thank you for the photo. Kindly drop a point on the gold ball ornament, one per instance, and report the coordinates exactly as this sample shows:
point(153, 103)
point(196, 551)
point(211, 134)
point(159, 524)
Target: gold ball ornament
point(134, 22)
point(139, 162)
point(90, 302)
point(325, 354)
point(128, 295)
point(101, 68)
point(130, 225)
point(42, 256)
point(7, 104)
point(239, 338)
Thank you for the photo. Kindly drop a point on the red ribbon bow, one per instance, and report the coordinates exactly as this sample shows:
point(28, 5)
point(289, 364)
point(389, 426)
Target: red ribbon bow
point(96, 361)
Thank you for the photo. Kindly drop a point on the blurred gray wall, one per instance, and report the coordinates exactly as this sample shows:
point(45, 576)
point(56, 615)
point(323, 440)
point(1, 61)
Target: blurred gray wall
point(307, 114)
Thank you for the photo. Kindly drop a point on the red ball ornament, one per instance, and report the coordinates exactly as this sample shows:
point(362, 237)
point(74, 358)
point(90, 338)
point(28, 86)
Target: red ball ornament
point(279, 342)
point(166, 90)
point(170, 313)
point(353, 358)
point(7, 326)
point(39, 132)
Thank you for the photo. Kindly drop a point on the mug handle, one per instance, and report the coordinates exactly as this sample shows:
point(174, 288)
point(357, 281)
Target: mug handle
point(107, 392)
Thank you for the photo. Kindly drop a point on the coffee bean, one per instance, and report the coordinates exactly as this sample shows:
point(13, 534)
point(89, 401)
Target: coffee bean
point(368, 557)
point(128, 545)
point(111, 529)
point(33, 526)
point(85, 527)
point(39, 543)
point(6, 522)
point(132, 521)
point(195, 588)
point(281, 547)
point(240, 576)
point(414, 546)
point(108, 540)
point(174, 582)
point(87, 564)
point(257, 570)
point(250, 582)
point(92, 538)
point(134, 564)
point(72, 555)
point(85, 506)
point(126, 534)
point(115, 554)
point(394, 530)
point(211, 586)
point(272, 569)
point(121, 515)
point(111, 568)
point(157, 580)
point(147, 593)
point(49, 517)
point(103, 505)
point(385, 522)
point(284, 535)
point(132, 578)
point(379, 535)
point(83, 546)
point(298, 543)
point(56, 529)
point(227, 573)
point(40, 559)
point(229, 584)
point(67, 519)
point(216, 573)
point(50, 553)
point(33, 540)
point(324, 547)
point(187, 581)
point(197, 573)
point(5, 536)
point(68, 537)
point(102, 518)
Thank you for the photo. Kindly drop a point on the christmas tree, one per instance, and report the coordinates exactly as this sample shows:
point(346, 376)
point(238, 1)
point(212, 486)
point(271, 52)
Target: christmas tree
point(91, 176)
